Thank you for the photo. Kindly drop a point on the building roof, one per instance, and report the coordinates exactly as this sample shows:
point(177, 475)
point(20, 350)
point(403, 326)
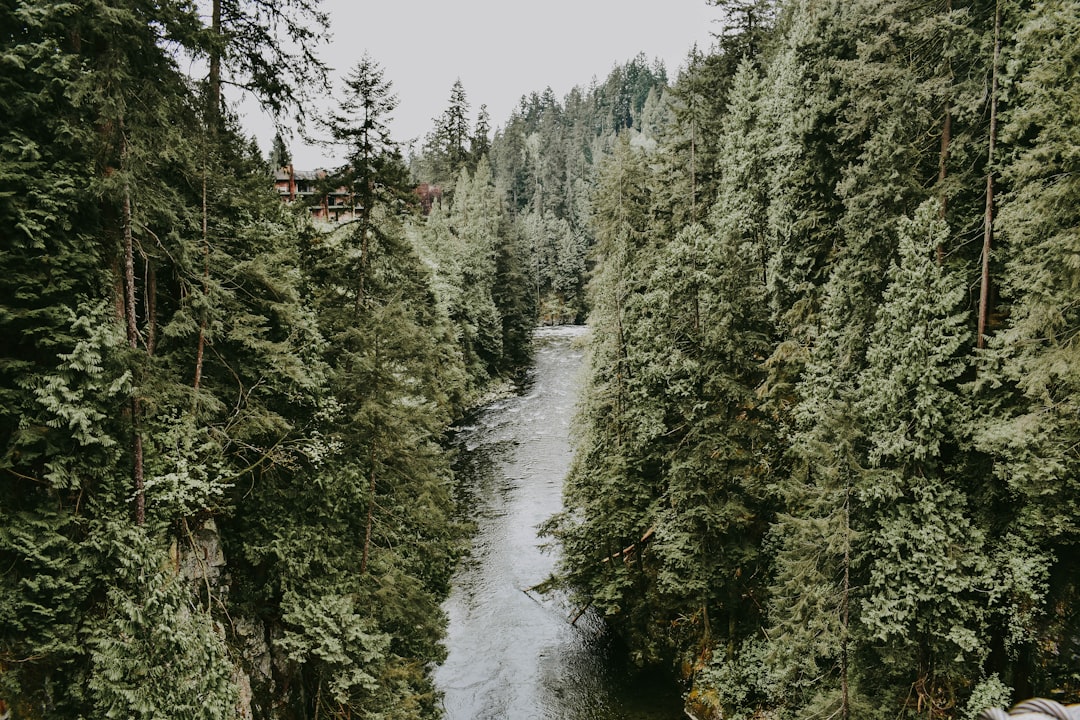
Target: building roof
point(283, 174)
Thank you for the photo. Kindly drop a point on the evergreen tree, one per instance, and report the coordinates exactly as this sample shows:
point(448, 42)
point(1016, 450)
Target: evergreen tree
point(786, 478)
point(480, 140)
point(150, 445)
point(513, 297)
point(689, 139)
point(747, 25)
point(799, 110)
point(359, 610)
point(153, 655)
point(476, 256)
point(475, 220)
point(89, 381)
point(717, 502)
point(446, 147)
point(374, 175)
point(279, 153)
point(613, 487)
point(1028, 383)
point(268, 48)
point(922, 558)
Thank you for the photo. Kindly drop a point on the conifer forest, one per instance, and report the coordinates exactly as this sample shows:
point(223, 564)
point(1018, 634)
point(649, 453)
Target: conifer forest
point(828, 455)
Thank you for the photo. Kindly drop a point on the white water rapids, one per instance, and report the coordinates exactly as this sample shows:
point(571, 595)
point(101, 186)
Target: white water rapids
point(514, 655)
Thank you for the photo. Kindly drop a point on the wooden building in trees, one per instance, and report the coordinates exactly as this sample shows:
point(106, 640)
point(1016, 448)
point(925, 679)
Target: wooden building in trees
point(309, 188)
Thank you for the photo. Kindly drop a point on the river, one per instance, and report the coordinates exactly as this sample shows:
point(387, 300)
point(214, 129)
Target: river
point(512, 654)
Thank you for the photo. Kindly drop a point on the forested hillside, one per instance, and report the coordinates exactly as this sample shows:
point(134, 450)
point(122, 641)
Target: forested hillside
point(829, 453)
point(828, 458)
point(224, 485)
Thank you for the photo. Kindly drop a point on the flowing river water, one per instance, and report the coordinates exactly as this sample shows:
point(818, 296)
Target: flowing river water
point(513, 654)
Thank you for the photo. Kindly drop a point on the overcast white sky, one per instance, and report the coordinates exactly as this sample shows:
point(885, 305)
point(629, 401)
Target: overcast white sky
point(500, 49)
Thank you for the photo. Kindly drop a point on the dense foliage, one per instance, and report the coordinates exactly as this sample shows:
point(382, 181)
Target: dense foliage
point(828, 455)
point(224, 490)
point(829, 452)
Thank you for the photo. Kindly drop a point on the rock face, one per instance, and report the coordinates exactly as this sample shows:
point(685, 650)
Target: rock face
point(202, 563)
point(255, 674)
point(243, 699)
point(262, 673)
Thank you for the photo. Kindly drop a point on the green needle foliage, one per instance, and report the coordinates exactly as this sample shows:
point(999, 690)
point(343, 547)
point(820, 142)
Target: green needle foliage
point(798, 479)
point(827, 455)
point(223, 485)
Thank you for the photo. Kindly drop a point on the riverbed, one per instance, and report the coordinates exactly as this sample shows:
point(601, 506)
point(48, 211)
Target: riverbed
point(512, 652)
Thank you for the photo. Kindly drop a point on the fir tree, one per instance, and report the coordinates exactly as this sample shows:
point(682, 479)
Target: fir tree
point(717, 479)
point(923, 555)
point(1028, 383)
point(616, 481)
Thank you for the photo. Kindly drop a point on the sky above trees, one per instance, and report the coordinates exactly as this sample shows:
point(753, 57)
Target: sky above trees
point(500, 50)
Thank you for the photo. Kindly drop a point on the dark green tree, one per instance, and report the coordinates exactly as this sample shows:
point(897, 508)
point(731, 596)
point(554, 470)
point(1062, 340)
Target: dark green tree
point(480, 140)
point(716, 501)
point(747, 26)
point(279, 153)
point(1029, 382)
point(612, 490)
point(268, 48)
point(446, 147)
point(922, 559)
point(374, 176)
point(360, 612)
point(78, 441)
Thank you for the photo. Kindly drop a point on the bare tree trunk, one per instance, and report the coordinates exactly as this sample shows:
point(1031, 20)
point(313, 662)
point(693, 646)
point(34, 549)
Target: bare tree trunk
point(201, 345)
point(988, 219)
point(214, 100)
point(133, 343)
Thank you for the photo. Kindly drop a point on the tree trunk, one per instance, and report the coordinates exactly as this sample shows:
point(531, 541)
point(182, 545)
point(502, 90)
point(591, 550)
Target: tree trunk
point(845, 612)
point(988, 219)
point(201, 345)
point(370, 509)
point(133, 343)
point(214, 80)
